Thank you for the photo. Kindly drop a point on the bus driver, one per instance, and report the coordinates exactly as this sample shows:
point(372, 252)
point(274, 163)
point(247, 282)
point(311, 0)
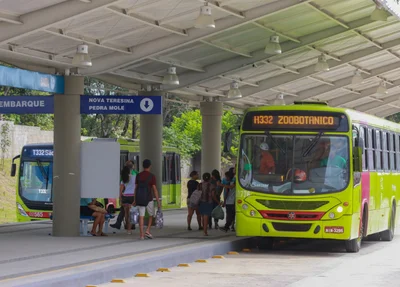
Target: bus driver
point(267, 164)
point(335, 157)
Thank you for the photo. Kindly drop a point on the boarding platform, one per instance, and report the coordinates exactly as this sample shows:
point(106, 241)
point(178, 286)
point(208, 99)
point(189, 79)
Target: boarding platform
point(31, 257)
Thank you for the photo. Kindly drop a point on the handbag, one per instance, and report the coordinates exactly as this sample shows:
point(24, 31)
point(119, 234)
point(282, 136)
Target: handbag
point(218, 213)
point(134, 215)
point(159, 219)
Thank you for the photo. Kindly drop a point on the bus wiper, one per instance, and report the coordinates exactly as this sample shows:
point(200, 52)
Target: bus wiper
point(275, 143)
point(43, 171)
point(313, 144)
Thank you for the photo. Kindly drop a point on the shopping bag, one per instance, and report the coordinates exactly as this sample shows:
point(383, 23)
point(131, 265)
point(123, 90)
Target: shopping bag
point(134, 215)
point(159, 219)
point(218, 213)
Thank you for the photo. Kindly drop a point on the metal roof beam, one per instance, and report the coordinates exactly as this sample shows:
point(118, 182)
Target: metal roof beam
point(342, 83)
point(124, 34)
point(205, 91)
point(310, 70)
point(282, 67)
point(370, 106)
point(388, 112)
point(239, 80)
point(156, 24)
point(217, 5)
point(178, 63)
point(276, 32)
point(50, 16)
point(12, 19)
point(174, 42)
point(138, 76)
point(227, 47)
point(326, 14)
point(93, 42)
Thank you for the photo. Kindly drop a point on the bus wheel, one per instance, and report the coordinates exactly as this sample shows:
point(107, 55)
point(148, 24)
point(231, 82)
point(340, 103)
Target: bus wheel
point(354, 245)
point(388, 235)
point(265, 243)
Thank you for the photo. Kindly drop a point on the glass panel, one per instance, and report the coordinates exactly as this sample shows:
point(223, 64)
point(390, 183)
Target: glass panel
point(36, 181)
point(294, 164)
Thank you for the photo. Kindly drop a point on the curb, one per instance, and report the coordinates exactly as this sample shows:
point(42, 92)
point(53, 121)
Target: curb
point(93, 274)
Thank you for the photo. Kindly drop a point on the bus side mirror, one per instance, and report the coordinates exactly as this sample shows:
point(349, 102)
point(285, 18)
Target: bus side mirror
point(13, 169)
point(357, 159)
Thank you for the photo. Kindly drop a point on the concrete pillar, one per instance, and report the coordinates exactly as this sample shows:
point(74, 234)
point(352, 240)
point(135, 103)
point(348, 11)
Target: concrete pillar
point(66, 171)
point(211, 136)
point(151, 130)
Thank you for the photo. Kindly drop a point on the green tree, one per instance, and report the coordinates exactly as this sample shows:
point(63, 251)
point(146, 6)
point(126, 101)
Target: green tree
point(185, 133)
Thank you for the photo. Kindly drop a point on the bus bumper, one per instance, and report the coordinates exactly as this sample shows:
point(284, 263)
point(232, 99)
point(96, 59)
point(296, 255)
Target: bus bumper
point(343, 228)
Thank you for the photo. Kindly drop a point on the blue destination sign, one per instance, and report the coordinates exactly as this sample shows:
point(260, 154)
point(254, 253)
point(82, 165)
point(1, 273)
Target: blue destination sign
point(26, 105)
point(121, 105)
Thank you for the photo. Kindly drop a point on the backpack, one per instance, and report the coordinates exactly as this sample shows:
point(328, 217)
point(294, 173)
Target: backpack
point(143, 193)
point(194, 199)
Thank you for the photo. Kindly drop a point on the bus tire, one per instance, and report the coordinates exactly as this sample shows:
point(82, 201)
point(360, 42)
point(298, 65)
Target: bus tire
point(388, 234)
point(265, 243)
point(354, 245)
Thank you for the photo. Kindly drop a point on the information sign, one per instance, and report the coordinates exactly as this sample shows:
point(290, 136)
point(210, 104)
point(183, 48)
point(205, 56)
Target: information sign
point(26, 105)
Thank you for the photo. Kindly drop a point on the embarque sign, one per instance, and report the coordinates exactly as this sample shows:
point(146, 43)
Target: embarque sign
point(89, 105)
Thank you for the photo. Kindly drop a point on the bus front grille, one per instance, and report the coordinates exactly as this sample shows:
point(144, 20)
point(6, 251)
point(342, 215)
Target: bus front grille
point(291, 227)
point(292, 205)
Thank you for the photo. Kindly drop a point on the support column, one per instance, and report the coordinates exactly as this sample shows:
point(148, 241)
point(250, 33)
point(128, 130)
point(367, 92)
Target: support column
point(151, 131)
point(211, 136)
point(67, 148)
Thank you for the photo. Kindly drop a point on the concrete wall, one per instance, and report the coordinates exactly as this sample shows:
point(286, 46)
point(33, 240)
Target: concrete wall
point(22, 135)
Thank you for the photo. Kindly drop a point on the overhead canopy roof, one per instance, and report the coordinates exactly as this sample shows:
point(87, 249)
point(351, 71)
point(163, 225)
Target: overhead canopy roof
point(132, 42)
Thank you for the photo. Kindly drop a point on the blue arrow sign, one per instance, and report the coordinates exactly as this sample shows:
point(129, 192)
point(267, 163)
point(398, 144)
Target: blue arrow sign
point(121, 105)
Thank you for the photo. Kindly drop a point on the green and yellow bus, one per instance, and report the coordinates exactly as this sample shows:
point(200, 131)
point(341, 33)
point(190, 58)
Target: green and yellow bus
point(312, 171)
point(34, 188)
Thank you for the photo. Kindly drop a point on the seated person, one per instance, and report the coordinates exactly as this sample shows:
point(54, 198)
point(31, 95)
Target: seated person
point(89, 208)
point(267, 164)
point(334, 159)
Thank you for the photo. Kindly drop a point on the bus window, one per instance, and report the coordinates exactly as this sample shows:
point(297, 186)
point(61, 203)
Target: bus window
point(392, 159)
point(363, 135)
point(385, 151)
point(164, 169)
point(294, 164)
point(376, 144)
point(371, 153)
point(36, 180)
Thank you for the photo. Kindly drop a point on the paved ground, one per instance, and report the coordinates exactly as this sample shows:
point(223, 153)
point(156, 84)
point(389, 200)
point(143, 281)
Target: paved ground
point(296, 264)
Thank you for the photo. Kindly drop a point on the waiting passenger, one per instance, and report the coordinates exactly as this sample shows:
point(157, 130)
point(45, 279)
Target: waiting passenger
point(216, 181)
point(89, 208)
point(192, 186)
point(267, 164)
point(127, 190)
point(206, 200)
point(229, 203)
point(121, 214)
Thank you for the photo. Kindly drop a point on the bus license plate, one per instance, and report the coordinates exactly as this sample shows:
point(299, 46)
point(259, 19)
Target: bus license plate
point(334, 229)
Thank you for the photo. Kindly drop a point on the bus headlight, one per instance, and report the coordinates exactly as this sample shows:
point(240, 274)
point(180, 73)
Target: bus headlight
point(252, 213)
point(331, 215)
point(339, 209)
point(245, 206)
point(21, 210)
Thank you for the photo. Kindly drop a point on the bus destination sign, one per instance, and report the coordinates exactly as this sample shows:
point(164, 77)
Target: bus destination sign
point(39, 152)
point(284, 120)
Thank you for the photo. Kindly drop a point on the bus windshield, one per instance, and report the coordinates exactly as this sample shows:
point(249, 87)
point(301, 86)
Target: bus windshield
point(36, 180)
point(294, 164)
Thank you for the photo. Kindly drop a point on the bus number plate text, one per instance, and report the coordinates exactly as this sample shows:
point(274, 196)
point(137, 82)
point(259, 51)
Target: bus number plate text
point(334, 229)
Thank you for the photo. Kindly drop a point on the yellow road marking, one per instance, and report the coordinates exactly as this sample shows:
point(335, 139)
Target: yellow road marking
point(142, 275)
point(97, 262)
point(118, 281)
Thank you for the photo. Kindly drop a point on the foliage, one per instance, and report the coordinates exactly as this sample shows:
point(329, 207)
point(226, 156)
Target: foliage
point(185, 133)
point(5, 141)
point(45, 122)
point(394, 118)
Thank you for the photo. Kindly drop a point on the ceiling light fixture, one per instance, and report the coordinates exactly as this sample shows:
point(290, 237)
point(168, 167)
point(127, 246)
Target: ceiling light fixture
point(234, 91)
point(357, 78)
point(322, 64)
point(171, 78)
point(382, 89)
point(205, 19)
point(81, 57)
point(273, 46)
point(379, 14)
point(279, 101)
